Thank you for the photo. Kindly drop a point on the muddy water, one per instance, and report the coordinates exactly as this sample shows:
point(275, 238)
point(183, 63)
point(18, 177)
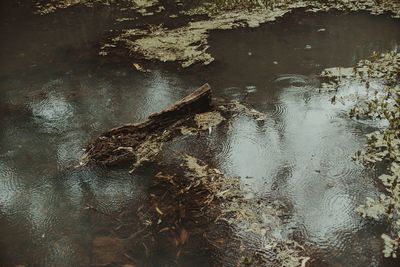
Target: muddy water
point(56, 94)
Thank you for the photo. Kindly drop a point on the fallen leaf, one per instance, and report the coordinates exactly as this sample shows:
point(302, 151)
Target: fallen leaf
point(159, 211)
point(139, 68)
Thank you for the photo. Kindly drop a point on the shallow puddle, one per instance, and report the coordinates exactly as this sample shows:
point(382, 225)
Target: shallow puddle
point(56, 94)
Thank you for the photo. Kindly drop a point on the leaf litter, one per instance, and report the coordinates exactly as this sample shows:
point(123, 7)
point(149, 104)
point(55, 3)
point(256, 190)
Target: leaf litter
point(188, 44)
point(382, 148)
point(195, 208)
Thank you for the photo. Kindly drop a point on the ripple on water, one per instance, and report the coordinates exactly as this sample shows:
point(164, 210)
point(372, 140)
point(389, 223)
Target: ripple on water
point(296, 82)
point(110, 190)
point(280, 178)
point(45, 210)
point(235, 93)
point(15, 194)
point(10, 182)
point(244, 145)
point(333, 159)
point(53, 113)
point(279, 110)
point(332, 221)
point(66, 251)
point(69, 149)
point(298, 90)
point(276, 118)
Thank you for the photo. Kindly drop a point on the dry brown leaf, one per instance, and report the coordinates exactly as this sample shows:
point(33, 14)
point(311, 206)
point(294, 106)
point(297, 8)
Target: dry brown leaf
point(159, 211)
point(139, 68)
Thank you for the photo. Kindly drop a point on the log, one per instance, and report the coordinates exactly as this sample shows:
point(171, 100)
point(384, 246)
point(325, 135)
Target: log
point(118, 145)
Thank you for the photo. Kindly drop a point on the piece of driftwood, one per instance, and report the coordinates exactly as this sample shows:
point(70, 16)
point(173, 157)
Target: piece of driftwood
point(121, 144)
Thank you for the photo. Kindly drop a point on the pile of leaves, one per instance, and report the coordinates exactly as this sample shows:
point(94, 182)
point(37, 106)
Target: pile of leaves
point(195, 204)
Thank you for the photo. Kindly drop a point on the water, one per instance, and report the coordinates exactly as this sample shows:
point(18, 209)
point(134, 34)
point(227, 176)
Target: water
point(56, 94)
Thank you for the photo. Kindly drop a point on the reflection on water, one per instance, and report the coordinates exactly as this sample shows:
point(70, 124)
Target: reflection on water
point(300, 154)
point(304, 159)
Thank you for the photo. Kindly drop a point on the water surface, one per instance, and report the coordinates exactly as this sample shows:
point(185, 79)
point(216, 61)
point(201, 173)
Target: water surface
point(56, 94)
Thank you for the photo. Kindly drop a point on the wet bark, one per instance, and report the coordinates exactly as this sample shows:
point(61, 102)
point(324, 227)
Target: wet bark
point(118, 145)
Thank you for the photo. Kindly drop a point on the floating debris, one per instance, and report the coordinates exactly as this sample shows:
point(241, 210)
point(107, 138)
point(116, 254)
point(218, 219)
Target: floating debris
point(240, 225)
point(205, 121)
point(383, 68)
point(188, 130)
point(142, 142)
point(150, 148)
point(236, 107)
point(188, 44)
point(191, 202)
point(382, 146)
point(140, 68)
point(46, 7)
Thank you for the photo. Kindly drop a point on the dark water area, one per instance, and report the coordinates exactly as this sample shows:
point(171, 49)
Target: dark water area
point(56, 94)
